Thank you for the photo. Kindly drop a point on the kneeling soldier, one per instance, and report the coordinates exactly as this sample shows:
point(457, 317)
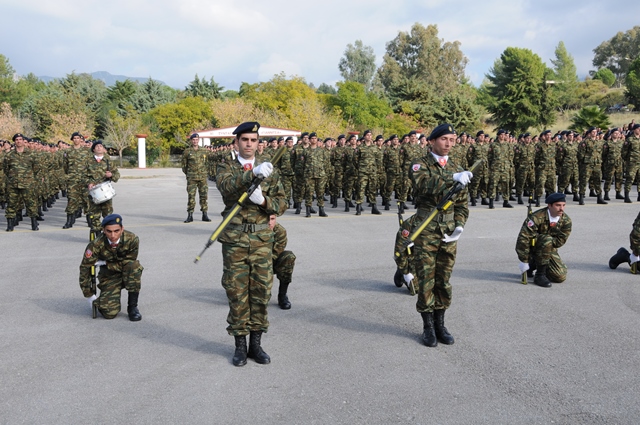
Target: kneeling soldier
point(624, 256)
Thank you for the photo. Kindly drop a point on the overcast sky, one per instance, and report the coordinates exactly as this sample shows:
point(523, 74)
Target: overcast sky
point(250, 40)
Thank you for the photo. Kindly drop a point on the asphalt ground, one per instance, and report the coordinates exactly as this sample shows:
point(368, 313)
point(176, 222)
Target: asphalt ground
point(348, 351)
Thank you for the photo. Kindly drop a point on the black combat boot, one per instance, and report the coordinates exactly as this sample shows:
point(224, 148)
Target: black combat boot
point(64, 193)
point(473, 201)
point(619, 195)
point(386, 205)
point(511, 197)
point(10, 224)
point(576, 197)
point(520, 202)
point(484, 201)
point(627, 200)
point(592, 193)
point(308, 208)
point(622, 256)
point(541, 278)
point(296, 204)
point(3, 204)
point(69, 223)
point(491, 204)
point(401, 208)
point(351, 204)
point(581, 201)
point(57, 196)
point(78, 213)
point(40, 217)
point(606, 196)
point(346, 206)
point(298, 208)
point(205, 217)
point(638, 196)
point(358, 209)
point(45, 207)
point(322, 213)
point(283, 299)
point(429, 334)
point(335, 202)
point(240, 355)
point(374, 210)
point(132, 307)
point(34, 223)
point(398, 278)
point(312, 210)
point(537, 201)
point(442, 333)
point(601, 201)
point(255, 350)
point(189, 217)
point(506, 204)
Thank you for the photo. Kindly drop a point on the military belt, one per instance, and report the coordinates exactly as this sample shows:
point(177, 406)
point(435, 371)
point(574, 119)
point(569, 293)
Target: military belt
point(248, 227)
point(443, 218)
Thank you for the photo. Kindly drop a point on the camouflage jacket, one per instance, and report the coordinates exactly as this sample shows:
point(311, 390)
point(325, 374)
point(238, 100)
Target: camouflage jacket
point(284, 164)
point(279, 240)
point(566, 154)
point(366, 159)
point(348, 161)
point(612, 152)
point(194, 163)
point(634, 237)
point(315, 163)
point(500, 157)
point(392, 161)
point(95, 171)
point(116, 258)
point(537, 223)
point(20, 169)
point(590, 152)
point(74, 163)
point(545, 158)
point(631, 150)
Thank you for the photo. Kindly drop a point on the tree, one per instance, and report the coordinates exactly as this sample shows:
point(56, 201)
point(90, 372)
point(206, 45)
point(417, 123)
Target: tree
point(64, 124)
point(565, 77)
point(326, 89)
point(359, 108)
point(358, 64)
point(90, 91)
point(518, 91)
point(14, 89)
point(234, 111)
point(176, 120)
point(618, 52)
point(589, 116)
point(151, 94)
point(120, 131)
point(606, 76)
point(206, 89)
point(9, 123)
point(633, 83)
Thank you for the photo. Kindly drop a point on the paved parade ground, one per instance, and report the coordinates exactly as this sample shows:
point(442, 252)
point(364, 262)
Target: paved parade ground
point(348, 351)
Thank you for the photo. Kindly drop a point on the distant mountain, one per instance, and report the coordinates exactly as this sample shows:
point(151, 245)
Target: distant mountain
point(107, 78)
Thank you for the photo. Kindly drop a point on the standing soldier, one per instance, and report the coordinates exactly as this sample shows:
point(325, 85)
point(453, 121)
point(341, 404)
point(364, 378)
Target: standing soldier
point(393, 171)
point(338, 172)
point(74, 167)
point(99, 169)
point(314, 175)
point(381, 181)
point(297, 161)
point(286, 170)
point(434, 250)
point(478, 152)
point(20, 170)
point(567, 164)
point(631, 156)
point(523, 159)
point(409, 150)
point(350, 172)
point(194, 166)
point(500, 157)
point(545, 161)
point(589, 164)
point(366, 158)
point(612, 160)
point(247, 244)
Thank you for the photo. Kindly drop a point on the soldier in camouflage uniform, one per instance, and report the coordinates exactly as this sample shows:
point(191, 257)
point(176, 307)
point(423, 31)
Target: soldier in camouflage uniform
point(382, 177)
point(550, 227)
point(567, 164)
point(3, 179)
point(434, 250)
point(297, 161)
point(74, 168)
point(631, 156)
point(116, 253)
point(523, 158)
point(283, 261)
point(478, 152)
point(194, 166)
point(500, 158)
point(99, 169)
point(545, 161)
point(314, 175)
point(349, 171)
point(366, 159)
point(286, 170)
point(338, 172)
point(590, 164)
point(409, 151)
point(20, 169)
point(612, 162)
point(633, 257)
point(393, 171)
point(247, 243)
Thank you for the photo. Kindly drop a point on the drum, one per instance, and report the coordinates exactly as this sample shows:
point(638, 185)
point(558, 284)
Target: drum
point(102, 192)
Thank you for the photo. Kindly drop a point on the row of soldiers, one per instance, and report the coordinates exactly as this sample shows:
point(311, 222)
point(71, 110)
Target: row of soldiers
point(361, 169)
point(34, 174)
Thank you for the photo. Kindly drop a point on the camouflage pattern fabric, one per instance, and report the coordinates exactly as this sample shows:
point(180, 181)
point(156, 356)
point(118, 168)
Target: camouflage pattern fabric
point(589, 164)
point(545, 161)
point(20, 169)
point(567, 165)
point(74, 165)
point(634, 236)
point(612, 164)
point(283, 261)
point(500, 157)
point(366, 161)
point(95, 174)
point(631, 155)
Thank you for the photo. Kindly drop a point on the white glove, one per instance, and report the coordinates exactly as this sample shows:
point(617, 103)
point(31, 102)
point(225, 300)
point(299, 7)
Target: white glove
point(523, 267)
point(257, 197)
point(410, 245)
point(263, 170)
point(101, 263)
point(455, 235)
point(634, 258)
point(408, 277)
point(91, 299)
point(463, 177)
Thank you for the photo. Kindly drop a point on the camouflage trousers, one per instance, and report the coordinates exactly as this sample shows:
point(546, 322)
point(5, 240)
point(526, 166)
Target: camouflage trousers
point(366, 185)
point(336, 183)
point(317, 186)
point(633, 173)
point(348, 183)
point(393, 184)
point(591, 174)
point(568, 176)
point(17, 198)
point(283, 266)
point(287, 184)
point(203, 190)
point(96, 210)
point(478, 185)
point(525, 179)
point(545, 181)
point(298, 188)
point(247, 278)
point(111, 285)
point(433, 260)
point(405, 188)
point(77, 197)
point(613, 171)
point(499, 182)
point(545, 254)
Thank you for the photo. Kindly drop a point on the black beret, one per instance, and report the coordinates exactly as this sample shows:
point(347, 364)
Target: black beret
point(76, 134)
point(313, 134)
point(366, 132)
point(112, 219)
point(441, 130)
point(247, 127)
point(280, 139)
point(342, 136)
point(379, 137)
point(556, 197)
point(393, 136)
point(526, 135)
point(412, 132)
point(352, 136)
point(545, 132)
point(422, 136)
point(96, 143)
point(502, 131)
point(479, 133)
point(304, 134)
point(194, 136)
point(272, 139)
point(328, 139)
point(590, 129)
point(288, 138)
point(15, 136)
